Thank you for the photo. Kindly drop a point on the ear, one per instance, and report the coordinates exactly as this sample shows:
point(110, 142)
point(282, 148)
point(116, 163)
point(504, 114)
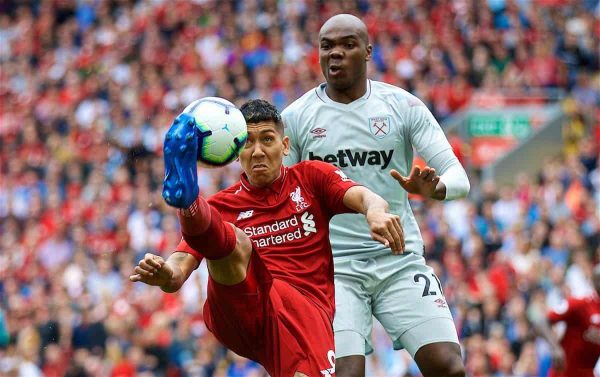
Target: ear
point(286, 145)
point(369, 52)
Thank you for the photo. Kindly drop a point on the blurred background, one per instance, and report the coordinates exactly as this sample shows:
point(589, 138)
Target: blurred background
point(89, 87)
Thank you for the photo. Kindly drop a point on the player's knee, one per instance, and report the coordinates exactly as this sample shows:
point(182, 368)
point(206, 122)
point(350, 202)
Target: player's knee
point(456, 369)
point(440, 360)
point(452, 366)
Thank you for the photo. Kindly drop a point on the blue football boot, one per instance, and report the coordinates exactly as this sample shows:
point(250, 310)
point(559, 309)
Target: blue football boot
point(180, 149)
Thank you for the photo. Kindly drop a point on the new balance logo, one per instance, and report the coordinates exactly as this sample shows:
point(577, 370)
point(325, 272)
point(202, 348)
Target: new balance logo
point(346, 157)
point(245, 214)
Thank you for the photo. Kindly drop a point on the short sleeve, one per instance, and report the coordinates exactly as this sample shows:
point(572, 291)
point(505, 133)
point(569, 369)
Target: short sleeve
point(329, 184)
point(185, 248)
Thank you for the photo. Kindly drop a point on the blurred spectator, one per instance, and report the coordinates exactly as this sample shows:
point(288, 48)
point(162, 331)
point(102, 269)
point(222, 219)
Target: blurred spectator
point(88, 89)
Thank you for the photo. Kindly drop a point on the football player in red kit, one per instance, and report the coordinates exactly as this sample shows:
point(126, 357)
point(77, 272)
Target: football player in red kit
point(576, 354)
point(266, 242)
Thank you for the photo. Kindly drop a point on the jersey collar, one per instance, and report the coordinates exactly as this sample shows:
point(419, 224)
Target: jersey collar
point(276, 186)
point(322, 95)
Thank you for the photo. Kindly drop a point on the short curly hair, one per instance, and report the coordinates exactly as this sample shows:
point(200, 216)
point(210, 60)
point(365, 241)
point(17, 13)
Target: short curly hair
point(259, 110)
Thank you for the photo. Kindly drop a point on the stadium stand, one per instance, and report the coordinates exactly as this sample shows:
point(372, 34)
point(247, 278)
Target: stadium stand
point(89, 87)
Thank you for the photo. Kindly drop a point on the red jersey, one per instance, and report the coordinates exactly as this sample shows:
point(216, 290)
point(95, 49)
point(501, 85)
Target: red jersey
point(581, 342)
point(288, 223)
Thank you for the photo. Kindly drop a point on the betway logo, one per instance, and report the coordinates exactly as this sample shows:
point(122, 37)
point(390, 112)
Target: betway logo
point(345, 157)
point(291, 227)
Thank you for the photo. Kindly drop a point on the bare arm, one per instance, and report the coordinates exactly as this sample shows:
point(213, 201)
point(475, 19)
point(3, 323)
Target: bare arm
point(169, 275)
point(361, 199)
point(385, 227)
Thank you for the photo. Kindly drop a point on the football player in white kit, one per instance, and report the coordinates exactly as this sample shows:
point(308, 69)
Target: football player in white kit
point(369, 129)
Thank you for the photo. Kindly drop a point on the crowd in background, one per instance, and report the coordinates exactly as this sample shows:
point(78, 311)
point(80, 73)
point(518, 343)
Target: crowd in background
point(89, 87)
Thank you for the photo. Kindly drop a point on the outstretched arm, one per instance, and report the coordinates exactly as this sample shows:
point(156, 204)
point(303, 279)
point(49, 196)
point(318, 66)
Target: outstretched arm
point(443, 178)
point(385, 227)
point(169, 275)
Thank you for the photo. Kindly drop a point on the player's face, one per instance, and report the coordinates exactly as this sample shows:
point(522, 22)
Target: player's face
point(262, 156)
point(343, 56)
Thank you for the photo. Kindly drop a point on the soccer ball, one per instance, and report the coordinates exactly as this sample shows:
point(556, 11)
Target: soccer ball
point(222, 130)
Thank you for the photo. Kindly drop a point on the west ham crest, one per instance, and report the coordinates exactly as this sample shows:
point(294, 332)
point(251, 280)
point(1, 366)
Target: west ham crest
point(380, 127)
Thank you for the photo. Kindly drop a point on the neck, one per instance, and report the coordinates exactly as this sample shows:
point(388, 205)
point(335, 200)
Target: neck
point(347, 95)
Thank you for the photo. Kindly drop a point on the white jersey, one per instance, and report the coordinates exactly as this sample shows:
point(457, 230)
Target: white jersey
point(366, 139)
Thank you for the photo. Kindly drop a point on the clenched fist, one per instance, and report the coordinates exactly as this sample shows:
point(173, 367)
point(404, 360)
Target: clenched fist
point(152, 270)
point(386, 228)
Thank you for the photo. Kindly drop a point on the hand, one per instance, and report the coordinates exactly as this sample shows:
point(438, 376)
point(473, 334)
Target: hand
point(152, 270)
point(422, 182)
point(558, 359)
point(387, 229)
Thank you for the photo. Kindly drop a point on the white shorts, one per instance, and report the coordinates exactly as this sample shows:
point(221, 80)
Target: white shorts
point(402, 292)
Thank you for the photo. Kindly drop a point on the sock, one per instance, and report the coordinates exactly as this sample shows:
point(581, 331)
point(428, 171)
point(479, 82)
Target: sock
point(205, 231)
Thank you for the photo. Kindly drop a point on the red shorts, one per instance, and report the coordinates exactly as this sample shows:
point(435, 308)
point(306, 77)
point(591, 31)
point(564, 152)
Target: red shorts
point(271, 322)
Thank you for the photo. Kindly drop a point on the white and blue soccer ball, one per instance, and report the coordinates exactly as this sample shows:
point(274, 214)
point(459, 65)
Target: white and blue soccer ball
point(222, 130)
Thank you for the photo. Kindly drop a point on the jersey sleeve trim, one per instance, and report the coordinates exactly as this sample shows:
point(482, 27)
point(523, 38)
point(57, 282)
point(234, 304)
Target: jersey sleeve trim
point(183, 247)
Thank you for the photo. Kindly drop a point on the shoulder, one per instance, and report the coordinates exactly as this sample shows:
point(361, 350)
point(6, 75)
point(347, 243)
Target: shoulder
point(310, 165)
point(396, 94)
point(577, 301)
point(311, 168)
point(585, 302)
point(296, 108)
point(226, 195)
point(576, 304)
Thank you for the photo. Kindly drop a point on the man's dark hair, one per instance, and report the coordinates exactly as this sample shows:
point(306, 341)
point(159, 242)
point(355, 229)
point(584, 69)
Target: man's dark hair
point(259, 110)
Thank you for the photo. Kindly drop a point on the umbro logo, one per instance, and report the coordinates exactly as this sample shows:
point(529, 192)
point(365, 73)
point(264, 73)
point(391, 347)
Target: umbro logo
point(318, 132)
point(441, 303)
point(245, 214)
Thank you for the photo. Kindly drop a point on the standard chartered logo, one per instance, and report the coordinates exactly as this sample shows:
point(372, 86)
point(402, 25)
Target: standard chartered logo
point(308, 223)
point(261, 237)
